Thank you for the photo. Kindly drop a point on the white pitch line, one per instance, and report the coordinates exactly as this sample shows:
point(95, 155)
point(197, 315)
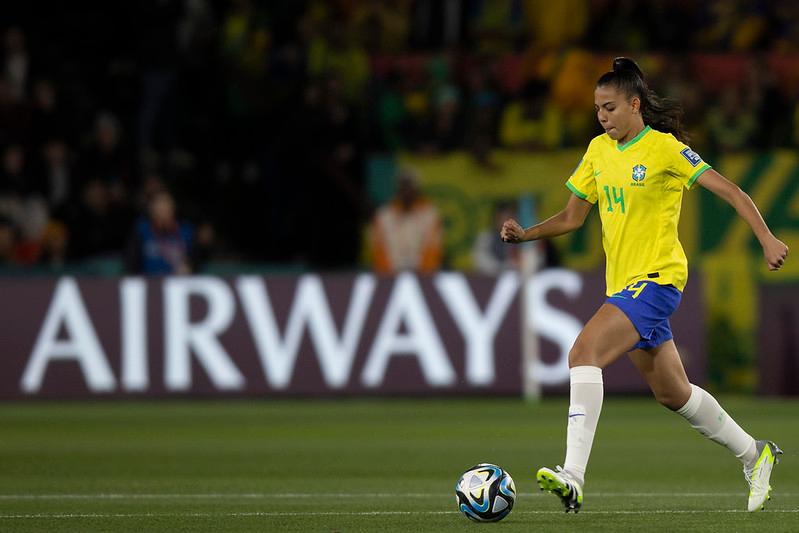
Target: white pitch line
point(342, 495)
point(361, 513)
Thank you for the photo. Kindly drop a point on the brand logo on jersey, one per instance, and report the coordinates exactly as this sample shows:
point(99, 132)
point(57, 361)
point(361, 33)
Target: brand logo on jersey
point(691, 156)
point(639, 172)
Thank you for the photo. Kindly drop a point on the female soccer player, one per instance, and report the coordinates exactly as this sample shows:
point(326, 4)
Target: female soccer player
point(635, 172)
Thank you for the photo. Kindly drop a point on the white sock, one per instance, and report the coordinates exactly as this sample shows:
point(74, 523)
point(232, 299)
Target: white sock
point(705, 415)
point(585, 404)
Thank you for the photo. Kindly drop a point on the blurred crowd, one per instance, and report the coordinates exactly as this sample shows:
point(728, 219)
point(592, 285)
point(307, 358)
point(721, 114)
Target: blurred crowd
point(159, 134)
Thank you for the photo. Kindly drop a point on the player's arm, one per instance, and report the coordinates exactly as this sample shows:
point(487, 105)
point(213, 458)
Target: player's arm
point(774, 250)
point(568, 220)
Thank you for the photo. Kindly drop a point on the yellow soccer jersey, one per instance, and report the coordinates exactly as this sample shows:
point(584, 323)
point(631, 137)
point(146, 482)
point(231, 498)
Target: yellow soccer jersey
point(638, 187)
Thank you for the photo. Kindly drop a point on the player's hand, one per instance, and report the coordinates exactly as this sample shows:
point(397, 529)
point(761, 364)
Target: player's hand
point(775, 252)
point(511, 231)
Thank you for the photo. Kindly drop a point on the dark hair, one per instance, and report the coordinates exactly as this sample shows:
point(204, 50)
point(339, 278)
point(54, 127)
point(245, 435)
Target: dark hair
point(662, 114)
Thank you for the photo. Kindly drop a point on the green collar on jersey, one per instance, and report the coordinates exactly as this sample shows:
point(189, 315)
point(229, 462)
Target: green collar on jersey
point(623, 147)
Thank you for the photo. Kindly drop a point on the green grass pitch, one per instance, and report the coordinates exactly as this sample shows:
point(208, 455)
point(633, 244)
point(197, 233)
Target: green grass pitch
point(372, 465)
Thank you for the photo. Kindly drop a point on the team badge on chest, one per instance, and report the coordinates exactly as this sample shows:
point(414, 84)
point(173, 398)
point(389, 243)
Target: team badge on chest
point(639, 173)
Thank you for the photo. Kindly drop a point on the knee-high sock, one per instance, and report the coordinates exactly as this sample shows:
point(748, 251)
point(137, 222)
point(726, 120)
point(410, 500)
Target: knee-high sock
point(585, 405)
point(705, 415)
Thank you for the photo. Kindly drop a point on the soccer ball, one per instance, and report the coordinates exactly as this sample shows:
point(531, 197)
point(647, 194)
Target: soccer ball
point(485, 493)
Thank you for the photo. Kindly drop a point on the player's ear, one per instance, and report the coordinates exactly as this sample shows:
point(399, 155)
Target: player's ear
point(635, 102)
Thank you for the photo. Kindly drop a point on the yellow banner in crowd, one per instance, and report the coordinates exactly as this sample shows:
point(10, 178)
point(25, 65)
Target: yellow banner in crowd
point(466, 191)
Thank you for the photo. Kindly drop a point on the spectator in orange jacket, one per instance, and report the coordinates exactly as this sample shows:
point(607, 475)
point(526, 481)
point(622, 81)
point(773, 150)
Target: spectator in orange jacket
point(406, 233)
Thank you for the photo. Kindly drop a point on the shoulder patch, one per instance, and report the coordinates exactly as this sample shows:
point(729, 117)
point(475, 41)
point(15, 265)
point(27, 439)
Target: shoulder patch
point(691, 156)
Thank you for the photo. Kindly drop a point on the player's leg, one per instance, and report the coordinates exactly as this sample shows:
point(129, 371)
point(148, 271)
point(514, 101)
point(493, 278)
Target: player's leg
point(607, 335)
point(663, 370)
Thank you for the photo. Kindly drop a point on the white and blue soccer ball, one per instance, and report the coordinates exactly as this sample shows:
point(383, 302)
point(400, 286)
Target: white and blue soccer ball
point(485, 493)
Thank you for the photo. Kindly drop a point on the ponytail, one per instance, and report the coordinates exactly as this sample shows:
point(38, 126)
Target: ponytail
point(662, 114)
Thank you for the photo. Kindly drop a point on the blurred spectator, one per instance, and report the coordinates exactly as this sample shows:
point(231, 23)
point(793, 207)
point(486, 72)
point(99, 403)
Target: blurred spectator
point(382, 25)
point(482, 112)
point(490, 254)
point(22, 204)
point(98, 223)
point(444, 129)
point(13, 179)
point(57, 176)
point(107, 160)
point(554, 25)
point(391, 114)
point(494, 26)
point(8, 244)
point(54, 246)
point(416, 106)
point(531, 121)
point(333, 50)
point(768, 101)
point(406, 234)
point(578, 71)
point(246, 37)
point(14, 116)
point(678, 82)
point(158, 58)
point(434, 24)
point(244, 52)
point(732, 25)
point(195, 30)
point(152, 184)
point(336, 177)
point(160, 244)
point(204, 246)
point(784, 26)
point(444, 124)
point(49, 119)
point(626, 24)
point(16, 63)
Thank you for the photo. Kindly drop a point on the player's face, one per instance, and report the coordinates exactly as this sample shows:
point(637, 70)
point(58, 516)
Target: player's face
point(615, 111)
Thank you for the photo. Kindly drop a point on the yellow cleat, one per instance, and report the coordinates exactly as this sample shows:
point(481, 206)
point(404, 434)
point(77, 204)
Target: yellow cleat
point(561, 484)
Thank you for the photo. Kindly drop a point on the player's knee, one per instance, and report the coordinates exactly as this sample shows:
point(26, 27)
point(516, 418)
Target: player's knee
point(672, 399)
point(582, 355)
point(667, 401)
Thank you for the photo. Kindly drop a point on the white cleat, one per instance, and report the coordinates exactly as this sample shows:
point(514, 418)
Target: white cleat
point(759, 474)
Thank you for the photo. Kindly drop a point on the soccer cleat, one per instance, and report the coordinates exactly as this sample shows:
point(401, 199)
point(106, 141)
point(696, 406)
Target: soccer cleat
point(561, 484)
point(759, 474)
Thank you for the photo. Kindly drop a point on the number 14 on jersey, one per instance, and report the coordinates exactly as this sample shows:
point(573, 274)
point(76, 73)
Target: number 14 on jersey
point(617, 198)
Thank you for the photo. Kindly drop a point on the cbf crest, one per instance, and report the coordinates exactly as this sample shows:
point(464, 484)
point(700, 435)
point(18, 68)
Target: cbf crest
point(639, 173)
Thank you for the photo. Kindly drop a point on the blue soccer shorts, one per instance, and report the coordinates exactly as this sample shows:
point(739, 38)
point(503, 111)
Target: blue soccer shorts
point(648, 306)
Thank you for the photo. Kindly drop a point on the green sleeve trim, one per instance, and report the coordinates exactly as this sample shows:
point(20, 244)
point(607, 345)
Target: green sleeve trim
point(698, 173)
point(577, 193)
